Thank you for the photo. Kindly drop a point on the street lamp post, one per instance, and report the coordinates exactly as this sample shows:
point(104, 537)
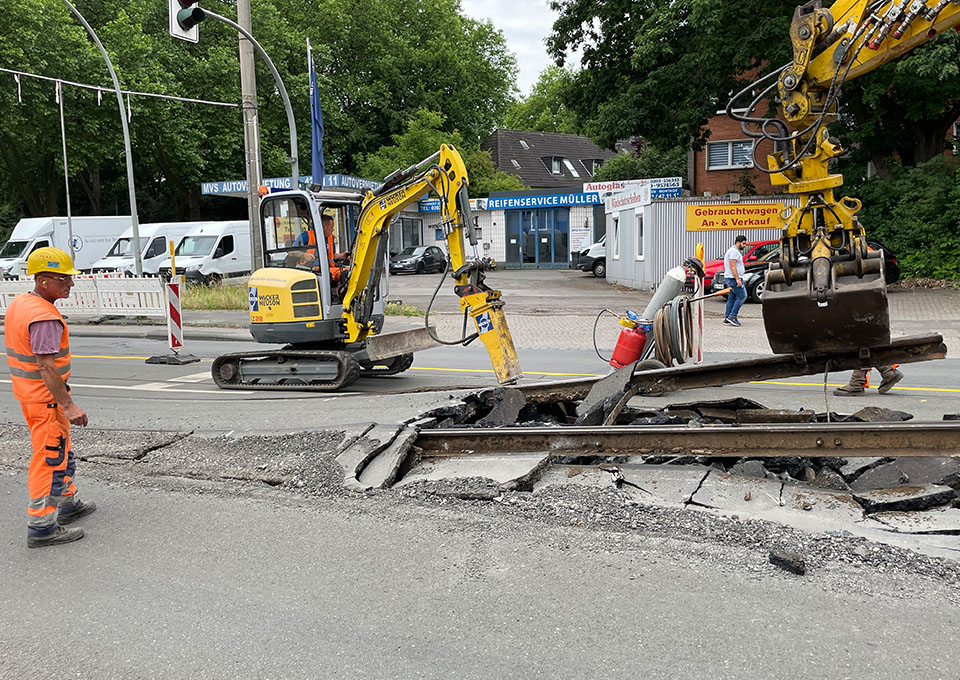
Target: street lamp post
point(131, 187)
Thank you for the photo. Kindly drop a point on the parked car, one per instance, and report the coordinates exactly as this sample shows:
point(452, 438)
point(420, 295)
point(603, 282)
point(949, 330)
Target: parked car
point(418, 260)
point(754, 251)
point(755, 273)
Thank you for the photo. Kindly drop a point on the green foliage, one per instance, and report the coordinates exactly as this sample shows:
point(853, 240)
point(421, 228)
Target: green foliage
point(379, 62)
point(485, 179)
point(217, 296)
point(401, 309)
point(916, 213)
point(422, 138)
point(543, 110)
point(646, 163)
point(663, 68)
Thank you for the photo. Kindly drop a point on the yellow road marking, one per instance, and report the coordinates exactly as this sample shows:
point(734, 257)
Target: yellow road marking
point(820, 384)
point(488, 370)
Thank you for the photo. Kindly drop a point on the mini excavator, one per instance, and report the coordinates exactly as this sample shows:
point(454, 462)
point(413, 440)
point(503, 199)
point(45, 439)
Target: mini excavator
point(332, 332)
point(827, 293)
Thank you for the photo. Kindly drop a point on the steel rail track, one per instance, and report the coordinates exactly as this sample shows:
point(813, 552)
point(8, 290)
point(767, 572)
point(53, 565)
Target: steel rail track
point(848, 440)
point(689, 376)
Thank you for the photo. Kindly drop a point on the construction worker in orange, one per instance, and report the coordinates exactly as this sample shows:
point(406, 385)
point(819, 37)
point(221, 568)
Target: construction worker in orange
point(38, 352)
point(336, 272)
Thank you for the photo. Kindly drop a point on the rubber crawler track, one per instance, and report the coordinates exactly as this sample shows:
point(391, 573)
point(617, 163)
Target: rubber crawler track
point(348, 370)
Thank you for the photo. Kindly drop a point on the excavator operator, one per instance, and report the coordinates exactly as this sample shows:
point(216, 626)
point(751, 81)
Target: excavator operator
point(336, 271)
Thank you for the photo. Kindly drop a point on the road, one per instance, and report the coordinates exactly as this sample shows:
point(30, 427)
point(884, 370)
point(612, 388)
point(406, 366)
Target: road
point(185, 573)
point(191, 583)
point(118, 390)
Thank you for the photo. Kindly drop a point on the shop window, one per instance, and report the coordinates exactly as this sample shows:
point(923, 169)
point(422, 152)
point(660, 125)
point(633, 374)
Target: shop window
point(729, 155)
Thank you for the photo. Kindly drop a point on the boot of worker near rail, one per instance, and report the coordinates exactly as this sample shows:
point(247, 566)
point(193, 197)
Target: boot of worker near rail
point(889, 376)
point(38, 353)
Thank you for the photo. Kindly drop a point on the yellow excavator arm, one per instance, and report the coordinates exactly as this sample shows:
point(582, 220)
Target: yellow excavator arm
point(445, 174)
point(828, 293)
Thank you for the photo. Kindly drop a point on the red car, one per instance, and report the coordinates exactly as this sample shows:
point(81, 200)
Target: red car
point(753, 252)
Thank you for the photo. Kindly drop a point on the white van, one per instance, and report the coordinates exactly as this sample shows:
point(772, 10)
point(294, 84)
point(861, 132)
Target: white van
point(154, 239)
point(594, 258)
point(212, 251)
point(92, 238)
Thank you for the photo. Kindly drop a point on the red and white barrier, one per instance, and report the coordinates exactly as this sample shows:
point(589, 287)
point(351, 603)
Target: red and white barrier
point(174, 320)
point(174, 327)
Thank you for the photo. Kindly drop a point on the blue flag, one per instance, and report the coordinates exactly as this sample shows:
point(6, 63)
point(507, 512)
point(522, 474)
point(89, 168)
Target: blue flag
point(316, 119)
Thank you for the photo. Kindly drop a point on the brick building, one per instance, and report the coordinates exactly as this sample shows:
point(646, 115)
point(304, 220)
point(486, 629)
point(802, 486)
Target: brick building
point(725, 164)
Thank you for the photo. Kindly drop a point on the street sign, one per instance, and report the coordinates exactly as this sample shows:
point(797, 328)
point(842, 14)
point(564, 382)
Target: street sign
point(191, 34)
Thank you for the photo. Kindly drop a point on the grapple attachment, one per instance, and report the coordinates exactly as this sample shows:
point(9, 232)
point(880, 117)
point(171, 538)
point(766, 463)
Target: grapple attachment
point(843, 307)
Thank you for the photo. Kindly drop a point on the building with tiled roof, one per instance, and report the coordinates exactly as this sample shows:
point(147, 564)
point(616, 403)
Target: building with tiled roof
point(545, 160)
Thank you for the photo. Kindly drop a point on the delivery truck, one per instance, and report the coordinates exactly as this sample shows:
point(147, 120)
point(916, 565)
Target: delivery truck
point(155, 240)
point(92, 238)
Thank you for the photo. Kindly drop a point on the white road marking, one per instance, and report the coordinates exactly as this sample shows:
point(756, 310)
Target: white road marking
point(193, 378)
point(152, 387)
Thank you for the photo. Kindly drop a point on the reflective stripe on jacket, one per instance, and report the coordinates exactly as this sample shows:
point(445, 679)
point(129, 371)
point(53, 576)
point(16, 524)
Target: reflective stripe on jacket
point(28, 385)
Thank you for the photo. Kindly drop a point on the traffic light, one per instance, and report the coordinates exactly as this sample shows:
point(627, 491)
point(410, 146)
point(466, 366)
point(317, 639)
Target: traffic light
point(184, 17)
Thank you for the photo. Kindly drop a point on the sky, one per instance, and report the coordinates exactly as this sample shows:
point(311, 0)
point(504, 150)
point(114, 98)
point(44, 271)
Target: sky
point(526, 24)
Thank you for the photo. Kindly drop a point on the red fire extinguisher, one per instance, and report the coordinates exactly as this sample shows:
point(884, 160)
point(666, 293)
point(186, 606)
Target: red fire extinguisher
point(632, 340)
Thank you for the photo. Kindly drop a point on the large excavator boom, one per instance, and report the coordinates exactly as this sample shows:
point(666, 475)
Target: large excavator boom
point(828, 292)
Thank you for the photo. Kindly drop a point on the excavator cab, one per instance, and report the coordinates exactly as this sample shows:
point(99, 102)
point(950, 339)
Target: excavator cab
point(295, 298)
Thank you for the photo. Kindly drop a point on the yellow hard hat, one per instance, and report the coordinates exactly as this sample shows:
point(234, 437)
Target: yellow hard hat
point(51, 260)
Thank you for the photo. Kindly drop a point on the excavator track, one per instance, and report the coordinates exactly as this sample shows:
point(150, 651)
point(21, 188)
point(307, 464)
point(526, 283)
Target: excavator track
point(392, 366)
point(286, 369)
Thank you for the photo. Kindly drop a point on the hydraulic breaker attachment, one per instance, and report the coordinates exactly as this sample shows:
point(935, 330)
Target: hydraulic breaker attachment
point(486, 310)
point(827, 305)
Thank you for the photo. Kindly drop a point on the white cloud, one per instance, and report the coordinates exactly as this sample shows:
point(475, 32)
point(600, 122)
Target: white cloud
point(526, 25)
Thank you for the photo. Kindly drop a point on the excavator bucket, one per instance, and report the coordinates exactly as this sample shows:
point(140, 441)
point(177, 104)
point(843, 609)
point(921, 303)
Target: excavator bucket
point(856, 317)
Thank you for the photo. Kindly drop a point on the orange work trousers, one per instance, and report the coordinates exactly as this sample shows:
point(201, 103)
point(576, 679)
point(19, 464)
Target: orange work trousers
point(50, 479)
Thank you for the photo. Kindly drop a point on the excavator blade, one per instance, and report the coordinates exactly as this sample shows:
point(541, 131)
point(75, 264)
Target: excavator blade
point(391, 345)
point(856, 317)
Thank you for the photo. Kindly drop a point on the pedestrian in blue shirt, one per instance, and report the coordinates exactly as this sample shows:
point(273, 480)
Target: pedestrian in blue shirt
point(733, 276)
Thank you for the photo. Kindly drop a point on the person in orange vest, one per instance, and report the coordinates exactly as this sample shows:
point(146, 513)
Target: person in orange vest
point(38, 353)
point(336, 272)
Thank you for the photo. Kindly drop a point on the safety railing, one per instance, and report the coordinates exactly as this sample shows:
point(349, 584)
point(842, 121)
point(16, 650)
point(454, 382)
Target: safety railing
point(99, 295)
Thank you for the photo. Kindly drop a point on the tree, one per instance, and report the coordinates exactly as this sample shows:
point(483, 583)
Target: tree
point(543, 110)
point(647, 162)
point(422, 138)
point(662, 68)
point(379, 62)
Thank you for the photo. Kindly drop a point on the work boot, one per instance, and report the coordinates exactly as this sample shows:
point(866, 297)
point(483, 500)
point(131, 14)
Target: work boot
point(61, 535)
point(71, 513)
point(849, 391)
point(890, 378)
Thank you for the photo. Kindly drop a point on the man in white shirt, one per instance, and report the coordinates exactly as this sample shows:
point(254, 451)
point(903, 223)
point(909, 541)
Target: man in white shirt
point(733, 276)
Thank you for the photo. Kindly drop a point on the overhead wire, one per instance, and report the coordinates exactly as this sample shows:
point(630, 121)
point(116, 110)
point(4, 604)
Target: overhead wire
point(103, 88)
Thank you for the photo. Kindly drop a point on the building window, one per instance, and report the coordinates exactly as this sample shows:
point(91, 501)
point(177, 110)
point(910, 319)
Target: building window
point(515, 164)
point(729, 155)
point(569, 166)
point(555, 165)
point(616, 238)
point(639, 234)
point(591, 165)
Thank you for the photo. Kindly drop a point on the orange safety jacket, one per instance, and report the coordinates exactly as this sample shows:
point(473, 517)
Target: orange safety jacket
point(28, 385)
point(334, 269)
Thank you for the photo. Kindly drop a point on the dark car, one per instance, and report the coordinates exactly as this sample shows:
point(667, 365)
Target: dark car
point(755, 273)
point(418, 260)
